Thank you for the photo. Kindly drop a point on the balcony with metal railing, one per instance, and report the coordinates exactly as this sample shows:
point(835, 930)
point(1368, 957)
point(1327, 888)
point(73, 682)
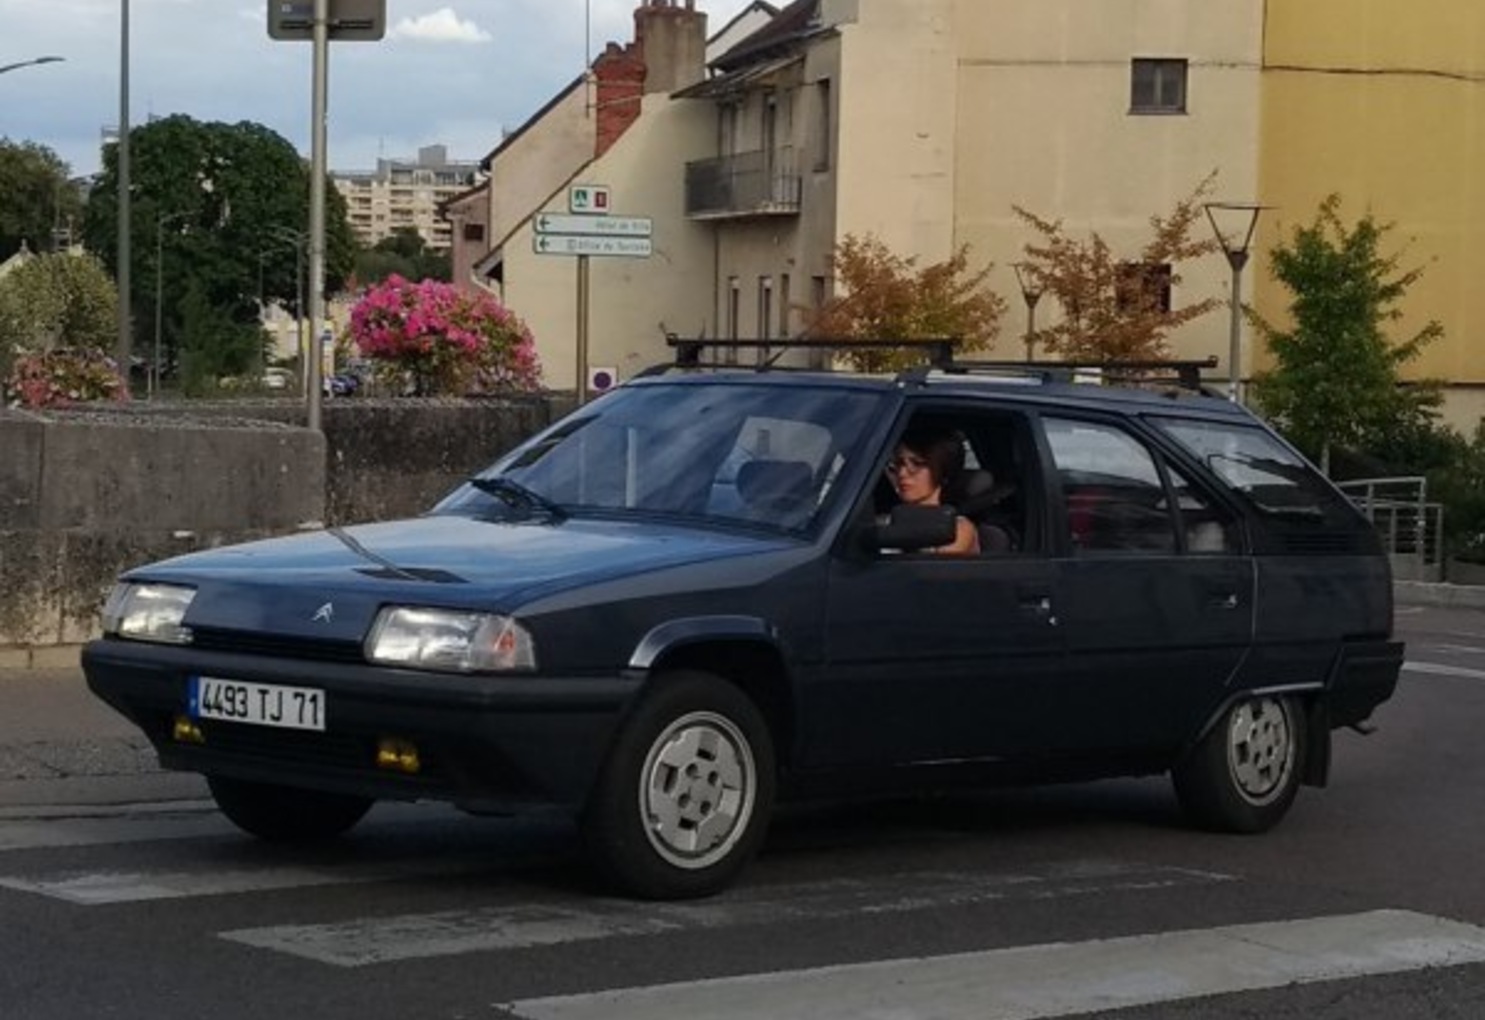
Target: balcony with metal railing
point(746, 184)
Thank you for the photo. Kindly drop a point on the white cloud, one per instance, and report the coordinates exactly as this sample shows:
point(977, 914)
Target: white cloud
point(441, 26)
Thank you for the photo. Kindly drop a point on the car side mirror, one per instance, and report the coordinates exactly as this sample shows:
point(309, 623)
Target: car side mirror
point(915, 528)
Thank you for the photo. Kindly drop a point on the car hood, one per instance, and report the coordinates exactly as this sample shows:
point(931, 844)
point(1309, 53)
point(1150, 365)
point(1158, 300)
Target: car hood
point(329, 584)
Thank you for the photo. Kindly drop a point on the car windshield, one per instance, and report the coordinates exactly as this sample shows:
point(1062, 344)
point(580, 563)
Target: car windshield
point(765, 456)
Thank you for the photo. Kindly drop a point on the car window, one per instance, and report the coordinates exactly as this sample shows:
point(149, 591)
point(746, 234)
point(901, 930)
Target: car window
point(1254, 464)
point(1208, 528)
point(1114, 498)
point(768, 456)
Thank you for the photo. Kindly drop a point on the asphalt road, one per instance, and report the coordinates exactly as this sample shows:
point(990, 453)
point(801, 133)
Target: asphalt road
point(122, 894)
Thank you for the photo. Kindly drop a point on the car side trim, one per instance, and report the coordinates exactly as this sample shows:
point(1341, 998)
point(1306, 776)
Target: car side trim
point(691, 629)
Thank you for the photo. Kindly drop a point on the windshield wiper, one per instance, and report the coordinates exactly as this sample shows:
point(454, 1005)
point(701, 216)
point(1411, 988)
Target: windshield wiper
point(517, 496)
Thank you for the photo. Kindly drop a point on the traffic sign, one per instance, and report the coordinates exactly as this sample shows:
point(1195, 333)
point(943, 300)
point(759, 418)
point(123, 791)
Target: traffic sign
point(604, 226)
point(589, 199)
point(349, 20)
point(592, 244)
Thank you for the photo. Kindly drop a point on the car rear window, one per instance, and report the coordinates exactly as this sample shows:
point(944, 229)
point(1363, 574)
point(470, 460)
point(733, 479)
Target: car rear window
point(1261, 469)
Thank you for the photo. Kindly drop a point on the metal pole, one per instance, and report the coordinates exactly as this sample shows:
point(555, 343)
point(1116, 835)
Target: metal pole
point(583, 294)
point(1237, 259)
point(1031, 330)
point(153, 376)
point(318, 171)
point(299, 344)
point(122, 352)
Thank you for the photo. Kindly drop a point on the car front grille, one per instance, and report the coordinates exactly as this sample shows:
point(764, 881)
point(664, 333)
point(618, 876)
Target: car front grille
point(214, 639)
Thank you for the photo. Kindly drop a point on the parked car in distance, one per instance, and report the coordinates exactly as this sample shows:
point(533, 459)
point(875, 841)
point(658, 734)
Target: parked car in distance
point(698, 595)
point(275, 378)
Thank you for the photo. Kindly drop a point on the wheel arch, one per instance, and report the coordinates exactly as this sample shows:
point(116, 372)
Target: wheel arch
point(742, 650)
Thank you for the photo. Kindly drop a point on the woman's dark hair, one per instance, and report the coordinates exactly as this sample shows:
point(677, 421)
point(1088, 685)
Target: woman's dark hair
point(942, 448)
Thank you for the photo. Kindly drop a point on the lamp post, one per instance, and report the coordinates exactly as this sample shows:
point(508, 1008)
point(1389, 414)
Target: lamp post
point(1234, 224)
point(161, 219)
point(31, 63)
point(123, 352)
point(1031, 293)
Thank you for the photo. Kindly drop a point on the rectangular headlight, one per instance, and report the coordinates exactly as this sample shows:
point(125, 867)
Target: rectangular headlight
point(449, 641)
point(149, 612)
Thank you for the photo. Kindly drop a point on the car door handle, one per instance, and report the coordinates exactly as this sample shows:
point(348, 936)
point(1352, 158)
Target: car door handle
point(1039, 605)
point(1223, 600)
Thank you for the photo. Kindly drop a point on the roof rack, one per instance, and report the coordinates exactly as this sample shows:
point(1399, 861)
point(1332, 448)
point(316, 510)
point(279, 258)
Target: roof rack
point(938, 356)
point(938, 351)
point(1184, 374)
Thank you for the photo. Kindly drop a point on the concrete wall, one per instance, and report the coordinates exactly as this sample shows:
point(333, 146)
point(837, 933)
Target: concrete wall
point(84, 496)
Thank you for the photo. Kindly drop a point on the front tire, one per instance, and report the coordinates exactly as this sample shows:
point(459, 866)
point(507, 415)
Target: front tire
point(684, 799)
point(286, 814)
point(1245, 772)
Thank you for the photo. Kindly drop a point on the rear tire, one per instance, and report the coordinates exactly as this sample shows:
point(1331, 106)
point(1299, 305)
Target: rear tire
point(286, 814)
point(684, 799)
point(1245, 772)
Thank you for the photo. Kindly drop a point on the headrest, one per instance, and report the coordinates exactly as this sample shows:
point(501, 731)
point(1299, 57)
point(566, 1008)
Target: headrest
point(976, 492)
point(774, 484)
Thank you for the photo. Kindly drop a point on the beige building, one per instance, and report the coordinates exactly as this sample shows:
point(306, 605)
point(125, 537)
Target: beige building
point(405, 194)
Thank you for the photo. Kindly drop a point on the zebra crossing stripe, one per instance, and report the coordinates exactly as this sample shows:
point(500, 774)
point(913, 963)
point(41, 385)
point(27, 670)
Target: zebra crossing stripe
point(368, 941)
point(1060, 979)
point(1438, 669)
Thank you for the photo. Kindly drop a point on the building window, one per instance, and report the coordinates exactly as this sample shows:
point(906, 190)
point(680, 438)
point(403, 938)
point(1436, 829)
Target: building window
point(1144, 287)
point(784, 306)
point(822, 124)
point(474, 231)
point(1159, 86)
point(734, 313)
point(765, 315)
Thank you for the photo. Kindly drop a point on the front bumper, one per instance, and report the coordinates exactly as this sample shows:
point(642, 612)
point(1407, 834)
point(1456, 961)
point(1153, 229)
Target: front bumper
point(487, 743)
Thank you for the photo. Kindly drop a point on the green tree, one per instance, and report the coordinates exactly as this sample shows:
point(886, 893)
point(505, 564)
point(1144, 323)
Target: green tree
point(1116, 308)
point(1335, 380)
point(53, 302)
point(402, 254)
point(888, 297)
point(36, 197)
point(224, 194)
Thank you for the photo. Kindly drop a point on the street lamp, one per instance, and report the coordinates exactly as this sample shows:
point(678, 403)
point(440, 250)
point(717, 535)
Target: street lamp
point(123, 353)
point(161, 219)
point(31, 63)
point(1031, 293)
point(1234, 224)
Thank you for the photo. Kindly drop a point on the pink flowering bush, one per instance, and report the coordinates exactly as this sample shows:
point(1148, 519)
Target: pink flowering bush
point(444, 341)
point(64, 378)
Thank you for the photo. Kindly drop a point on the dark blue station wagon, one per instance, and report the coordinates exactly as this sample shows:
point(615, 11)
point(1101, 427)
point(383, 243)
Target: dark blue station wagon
point(695, 597)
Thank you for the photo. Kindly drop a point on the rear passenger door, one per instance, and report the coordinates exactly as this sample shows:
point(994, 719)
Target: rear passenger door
point(1155, 590)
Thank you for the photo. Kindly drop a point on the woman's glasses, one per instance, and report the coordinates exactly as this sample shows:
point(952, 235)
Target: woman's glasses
point(906, 465)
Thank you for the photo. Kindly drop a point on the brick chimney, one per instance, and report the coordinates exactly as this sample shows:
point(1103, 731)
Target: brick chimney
point(619, 85)
point(672, 37)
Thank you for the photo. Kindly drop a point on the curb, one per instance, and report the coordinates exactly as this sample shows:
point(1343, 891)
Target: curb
point(40, 656)
point(1439, 594)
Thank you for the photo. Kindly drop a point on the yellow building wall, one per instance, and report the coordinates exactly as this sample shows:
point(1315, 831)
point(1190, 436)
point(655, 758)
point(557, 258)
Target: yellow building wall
point(1383, 103)
point(1043, 122)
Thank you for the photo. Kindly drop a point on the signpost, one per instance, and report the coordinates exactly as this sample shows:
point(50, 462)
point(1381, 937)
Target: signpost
point(586, 231)
point(321, 22)
point(349, 20)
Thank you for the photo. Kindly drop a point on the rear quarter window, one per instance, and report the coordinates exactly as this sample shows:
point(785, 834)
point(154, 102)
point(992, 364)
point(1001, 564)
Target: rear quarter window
point(1268, 475)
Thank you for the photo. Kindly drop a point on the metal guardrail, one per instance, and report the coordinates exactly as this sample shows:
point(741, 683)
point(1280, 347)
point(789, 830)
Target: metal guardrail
point(1412, 528)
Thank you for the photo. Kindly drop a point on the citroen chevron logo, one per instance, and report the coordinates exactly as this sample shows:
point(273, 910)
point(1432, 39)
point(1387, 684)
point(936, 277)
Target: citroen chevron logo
point(325, 614)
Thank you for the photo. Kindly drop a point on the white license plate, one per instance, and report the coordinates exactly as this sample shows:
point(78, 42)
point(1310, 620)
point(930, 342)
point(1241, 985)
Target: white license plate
point(294, 708)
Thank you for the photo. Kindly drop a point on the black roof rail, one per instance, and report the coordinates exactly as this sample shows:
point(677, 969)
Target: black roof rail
point(688, 350)
point(1184, 373)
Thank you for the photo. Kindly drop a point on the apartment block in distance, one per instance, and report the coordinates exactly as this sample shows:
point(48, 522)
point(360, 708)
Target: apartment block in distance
point(401, 194)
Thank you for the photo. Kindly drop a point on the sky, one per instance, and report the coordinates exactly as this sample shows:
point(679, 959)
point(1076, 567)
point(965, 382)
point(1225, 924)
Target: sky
point(449, 72)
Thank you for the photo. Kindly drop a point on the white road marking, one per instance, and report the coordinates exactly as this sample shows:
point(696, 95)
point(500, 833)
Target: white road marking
point(104, 829)
point(366, 941)
point(1438, 669)
point(1060, 979)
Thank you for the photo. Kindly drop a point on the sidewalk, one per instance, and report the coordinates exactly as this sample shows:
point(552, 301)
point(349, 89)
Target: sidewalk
point(62, 747)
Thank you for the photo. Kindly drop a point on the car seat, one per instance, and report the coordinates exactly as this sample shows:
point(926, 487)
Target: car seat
point(781, 491)
point(980, 498)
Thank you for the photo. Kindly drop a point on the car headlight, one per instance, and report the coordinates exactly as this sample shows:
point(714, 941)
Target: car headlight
point(149, 612)
point(449, 640)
